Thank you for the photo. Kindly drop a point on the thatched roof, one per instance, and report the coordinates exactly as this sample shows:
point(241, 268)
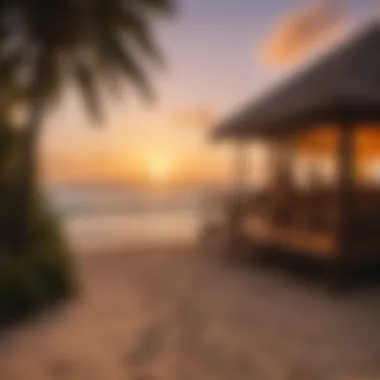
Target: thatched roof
point(343, 84)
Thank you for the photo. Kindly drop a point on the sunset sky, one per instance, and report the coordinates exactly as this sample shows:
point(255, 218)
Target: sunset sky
point(219, 53)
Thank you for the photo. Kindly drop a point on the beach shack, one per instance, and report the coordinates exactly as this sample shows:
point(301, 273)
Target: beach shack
point(326, 114)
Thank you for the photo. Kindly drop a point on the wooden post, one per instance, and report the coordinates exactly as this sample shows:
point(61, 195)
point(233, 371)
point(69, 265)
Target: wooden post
point(285, 162)
point(345, 187)
point(240, 174)
point(282, 158)
point(235, 217)
point(240, 167)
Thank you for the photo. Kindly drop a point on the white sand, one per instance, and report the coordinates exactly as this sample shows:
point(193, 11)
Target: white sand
point(171, 314)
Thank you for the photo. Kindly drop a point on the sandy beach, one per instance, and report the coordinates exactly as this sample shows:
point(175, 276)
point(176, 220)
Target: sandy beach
point(170, 313)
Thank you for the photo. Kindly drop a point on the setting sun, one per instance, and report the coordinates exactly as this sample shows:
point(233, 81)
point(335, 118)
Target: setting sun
point(160, 169)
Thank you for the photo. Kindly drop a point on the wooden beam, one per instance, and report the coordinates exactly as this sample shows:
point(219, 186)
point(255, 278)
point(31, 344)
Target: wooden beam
point(345, 188)
point(240, 166)
point(236, 203)
point(282, 151)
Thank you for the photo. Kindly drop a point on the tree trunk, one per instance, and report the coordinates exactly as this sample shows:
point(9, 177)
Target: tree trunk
point(27, 178)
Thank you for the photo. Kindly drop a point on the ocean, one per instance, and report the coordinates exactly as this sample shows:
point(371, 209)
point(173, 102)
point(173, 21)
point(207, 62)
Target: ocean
point(109, 218)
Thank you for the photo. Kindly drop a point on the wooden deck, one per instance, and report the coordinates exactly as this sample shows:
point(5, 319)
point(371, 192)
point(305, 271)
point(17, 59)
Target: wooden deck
point(318, 244)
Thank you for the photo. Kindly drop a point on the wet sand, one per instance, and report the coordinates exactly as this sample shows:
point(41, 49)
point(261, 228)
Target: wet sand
point(172, 314)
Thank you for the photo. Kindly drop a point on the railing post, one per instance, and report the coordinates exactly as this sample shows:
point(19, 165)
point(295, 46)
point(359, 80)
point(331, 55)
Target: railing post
point(236, 208)
point(240, 167)
point(345, 187)
point(281, 171)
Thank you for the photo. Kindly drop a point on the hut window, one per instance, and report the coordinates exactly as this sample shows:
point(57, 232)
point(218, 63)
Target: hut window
point(367, 155)
point(316, 154)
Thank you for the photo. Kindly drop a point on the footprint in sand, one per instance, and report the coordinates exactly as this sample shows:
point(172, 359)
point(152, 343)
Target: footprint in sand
point(148, 347)
point(63, 369)
point(145, 377)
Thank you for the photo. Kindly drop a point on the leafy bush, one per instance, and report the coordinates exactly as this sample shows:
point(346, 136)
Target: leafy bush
point(32, 280)
point(43, 274)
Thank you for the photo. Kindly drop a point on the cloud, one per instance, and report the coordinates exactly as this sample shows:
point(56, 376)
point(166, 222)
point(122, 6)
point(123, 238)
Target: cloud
point(302, 30)
point(199, 116)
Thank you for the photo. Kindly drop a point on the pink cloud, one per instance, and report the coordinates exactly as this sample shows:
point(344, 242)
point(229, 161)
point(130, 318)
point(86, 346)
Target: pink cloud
point(302, 30)
point(199, 116)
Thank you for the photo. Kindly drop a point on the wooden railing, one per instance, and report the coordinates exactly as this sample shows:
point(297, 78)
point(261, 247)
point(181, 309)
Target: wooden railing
point(309, 210)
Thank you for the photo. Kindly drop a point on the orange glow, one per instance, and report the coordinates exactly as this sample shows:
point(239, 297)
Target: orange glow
point(308, 27)
point(160, 169)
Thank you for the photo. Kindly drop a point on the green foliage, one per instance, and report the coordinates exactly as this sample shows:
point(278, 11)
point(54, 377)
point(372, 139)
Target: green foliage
point(32, 280)
point(91, 43)
point(41, 275)
point(8, 142)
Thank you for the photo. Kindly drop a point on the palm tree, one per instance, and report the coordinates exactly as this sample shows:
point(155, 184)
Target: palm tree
point(44, 44)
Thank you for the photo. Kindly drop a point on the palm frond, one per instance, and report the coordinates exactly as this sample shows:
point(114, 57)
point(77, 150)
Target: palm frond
point(123, 60)
point(140, 31)
point(87, 85)
point(45, 79)
point(110, 78)
point(164, 6)
point(116, 32)
point(9, 67)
